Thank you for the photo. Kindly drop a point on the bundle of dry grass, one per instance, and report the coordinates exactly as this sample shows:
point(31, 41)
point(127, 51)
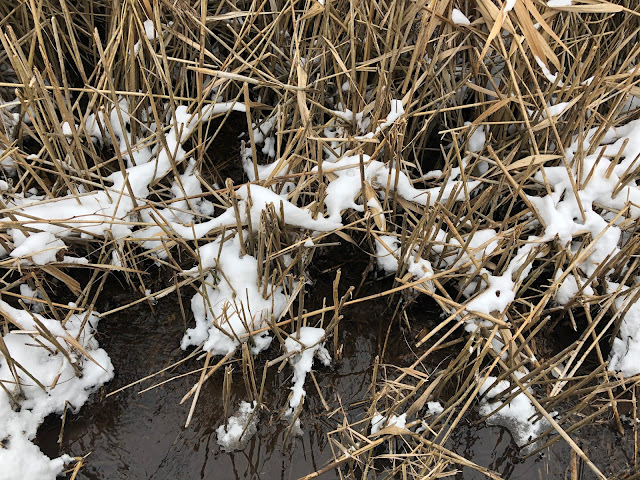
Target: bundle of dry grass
point(484, 153)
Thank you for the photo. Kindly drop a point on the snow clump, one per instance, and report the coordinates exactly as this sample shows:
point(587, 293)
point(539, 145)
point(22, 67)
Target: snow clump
point(309, 345)
point(516, 416)
point(239, 428)
point(459, 18)
point(55, 379)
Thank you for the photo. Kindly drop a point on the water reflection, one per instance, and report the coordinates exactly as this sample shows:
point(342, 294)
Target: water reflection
point(137, 436)
point(132, 436)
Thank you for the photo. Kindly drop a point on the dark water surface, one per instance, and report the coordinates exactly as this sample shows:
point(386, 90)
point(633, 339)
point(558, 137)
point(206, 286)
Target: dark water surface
point(142, 436)
point(133, 436)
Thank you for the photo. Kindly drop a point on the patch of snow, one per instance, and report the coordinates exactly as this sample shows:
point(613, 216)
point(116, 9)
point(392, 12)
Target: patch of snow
point(108, 209)
point(625, 351)
point(38, 248)
point(149, 31)
point(309, 345)
point(342, 191)
point(551, 77)
point(459, 18)
point(233, 305)
point(388, 252)
point(239, 428)
point(434, 408)
point(569, 288)
point(58, 384)
point(66, 129)
point(477, 139)
point(516, 416)
point(396, 111)
point(378, 422)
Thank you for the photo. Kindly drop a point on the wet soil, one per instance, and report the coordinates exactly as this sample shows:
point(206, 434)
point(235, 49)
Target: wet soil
point(142, 436)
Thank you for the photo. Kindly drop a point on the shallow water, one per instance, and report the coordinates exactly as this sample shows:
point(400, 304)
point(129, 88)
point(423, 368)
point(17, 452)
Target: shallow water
point(137, 436)
point(133, 436)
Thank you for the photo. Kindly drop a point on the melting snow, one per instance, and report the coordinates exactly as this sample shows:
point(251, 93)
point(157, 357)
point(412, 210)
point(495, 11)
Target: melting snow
point(239, 428)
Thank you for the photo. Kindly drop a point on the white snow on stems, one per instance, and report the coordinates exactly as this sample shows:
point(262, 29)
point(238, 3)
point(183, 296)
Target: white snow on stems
point(232, 305)
point(260, 198)
point(459, 18)
point(103, 210)
point(625, 351)
point(360, 119)
point(31, 297)
point(38, 248)
point(379, 421)
point(239, 428)
point(517, 415)
point(388, 252)
point(551, 77)
point(553, 110)
point(569, 288)
point(477, 139)
point(66, 129)
point(57, 383)
point(343, 191)
point(149, 31)
point(434, 408)
point(396, 111)
point(565, 213)
point(303, 349)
